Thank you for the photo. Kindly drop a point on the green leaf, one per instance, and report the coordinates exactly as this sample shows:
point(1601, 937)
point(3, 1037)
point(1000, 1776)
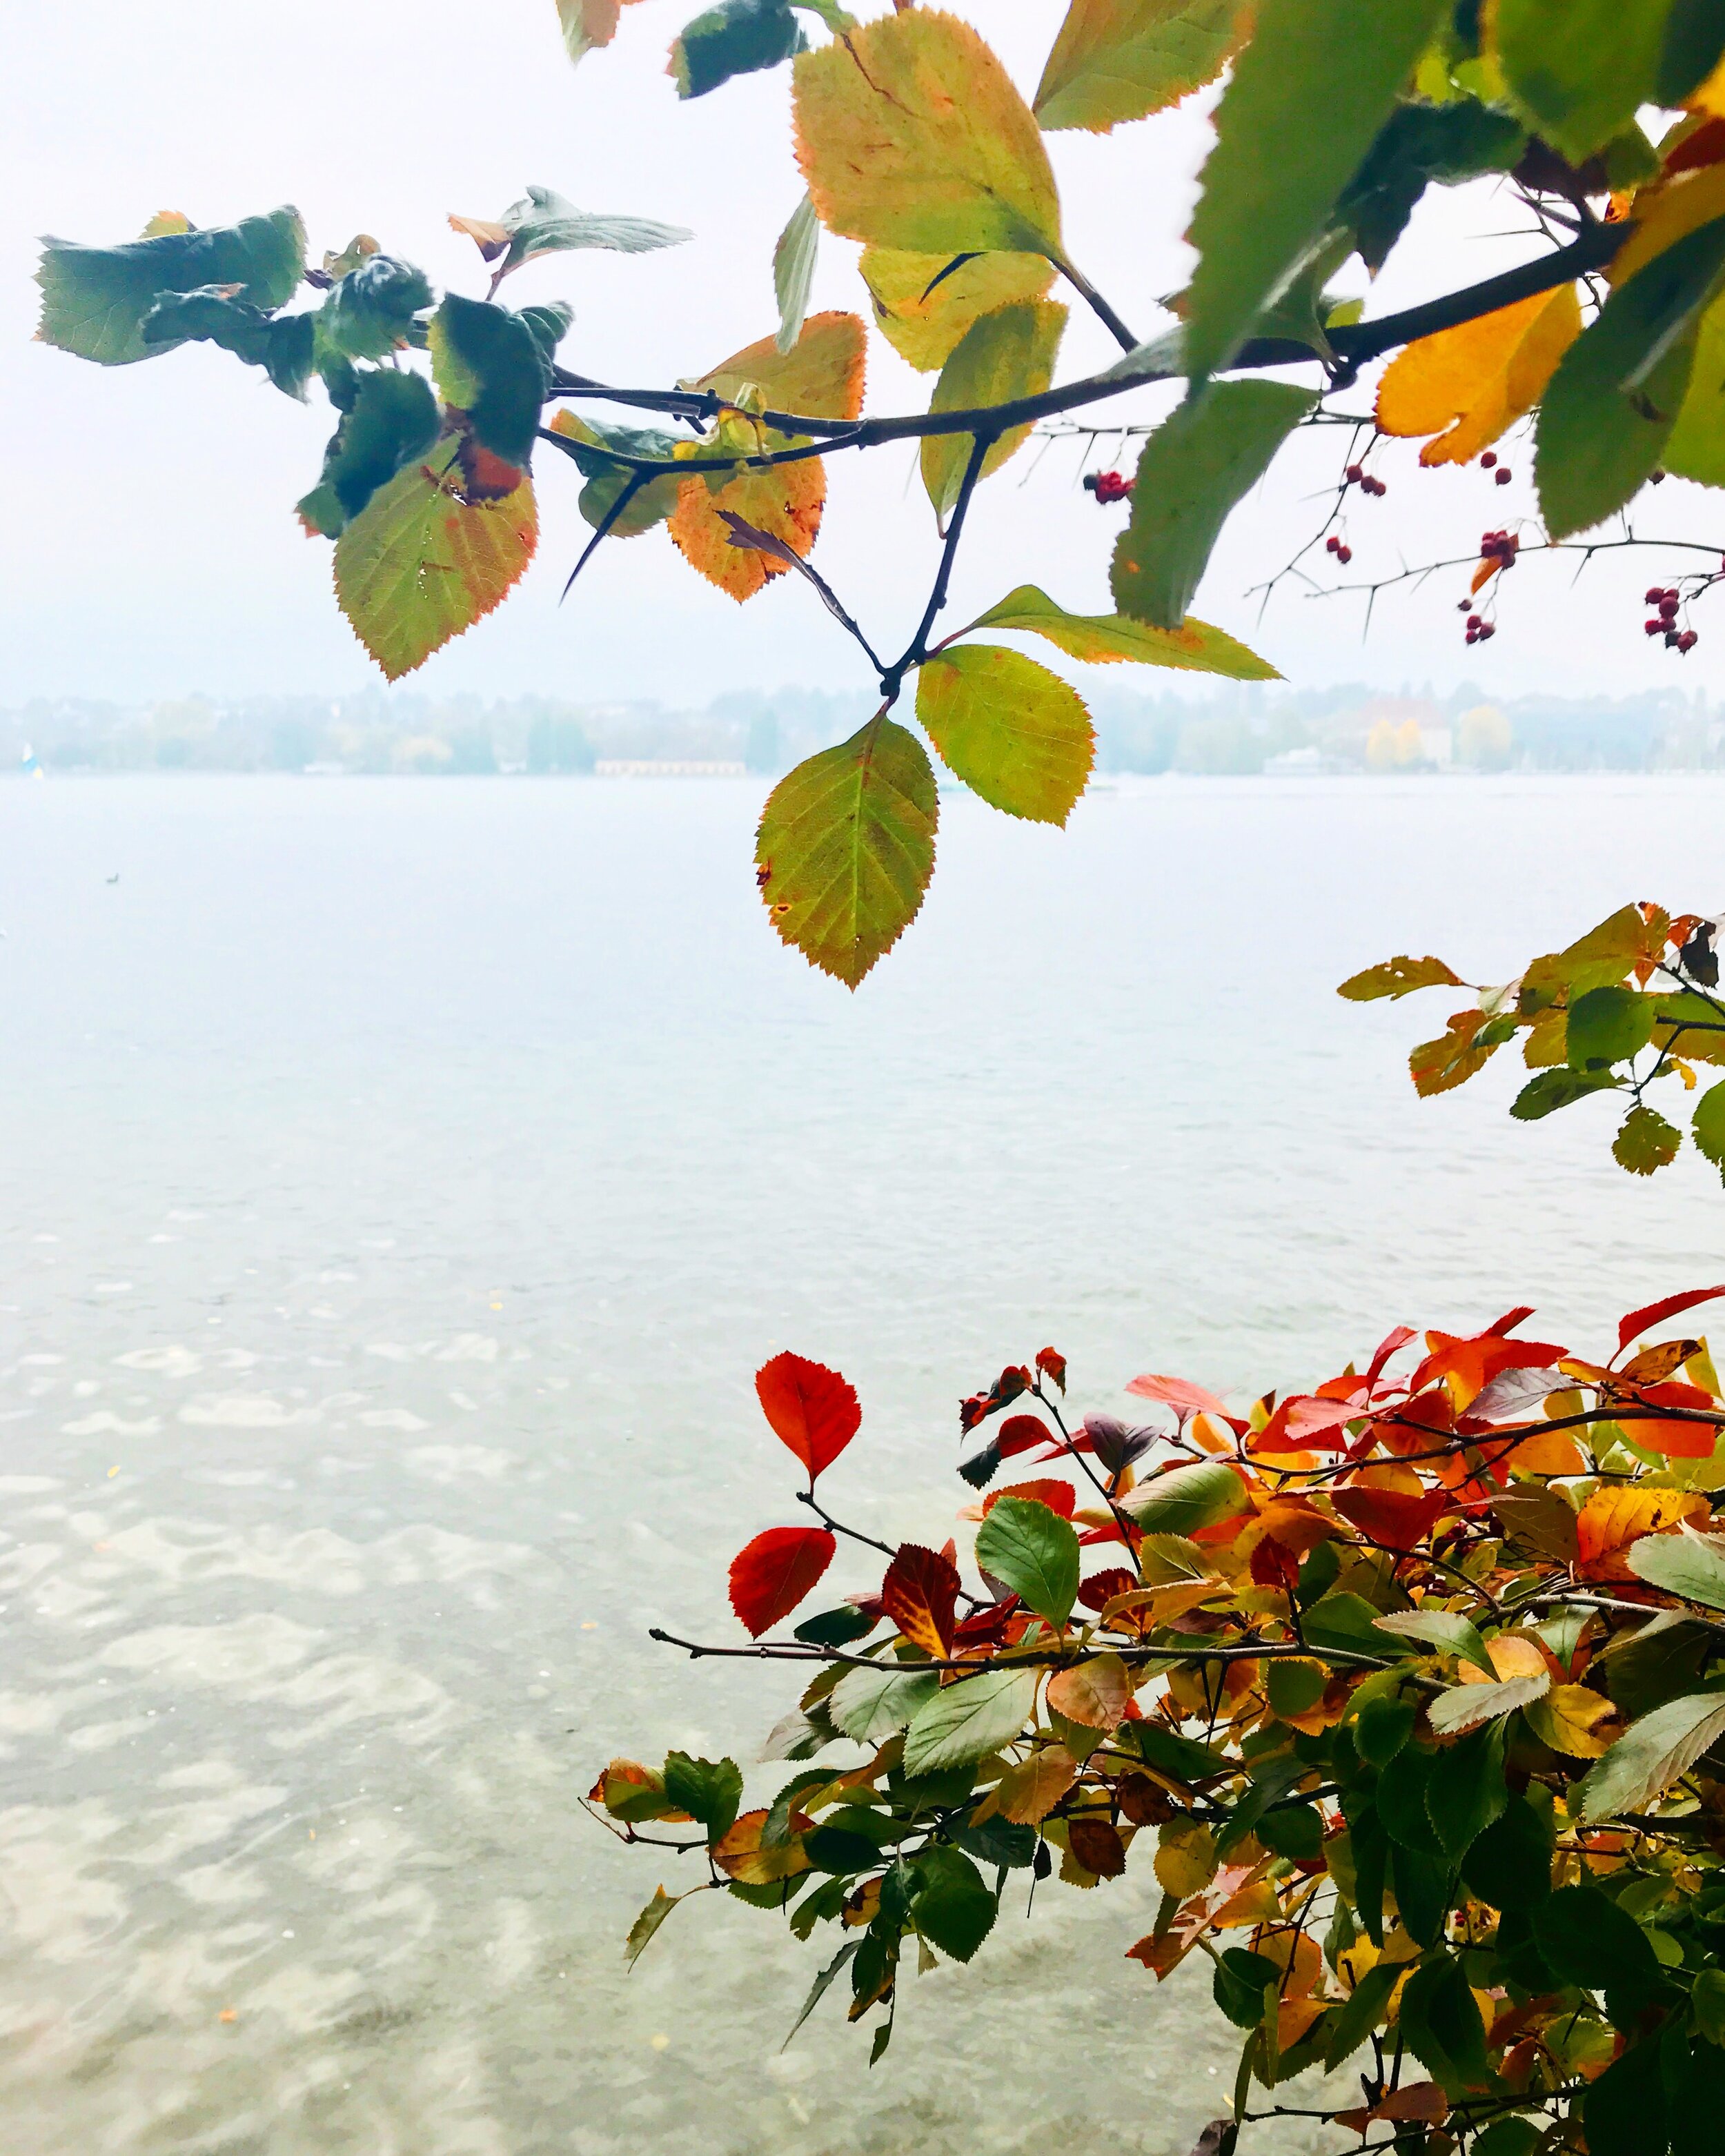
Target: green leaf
point(1587, 1940)
point(997, 1841)
point(911, 134)
point(1424, 1887)
point(1003, 355)
point(281, 344)
point(1580, 68)
point(1623, 2112)
point(793, 260)
point(1101, 638)
point(967, 1720)
point(835, 1628)
point(710, 1791)
point(1034, 1552)
point(738, 36)
point(838, 1850)
point(584, 441)
point(1238, 1984)
point(1509, 1865)
point(95, 299)
point(1609, 1025)
point(1347, 1622)
point(1381, 1728)
point(1508, 2137)
point(392, 419)
point(1401, 1800)
point(544, 223)
point(1440, 2020)
point(1209, 452)
point(1185, 1499)
point(1180, 1758)
point(1417, 144)
point(1015, 733)
point(1694, 46)
point(1397, 977)
point(817, 1989)
point(1115, 60)
point(1307, 99)
point(1365, 2009)
point(1646, 1141)
point(370, 311)
point(1706, 1999)
point(845, 848)
point(1614, 399)
point(951, 1904)
point(640, 1933)
point(487, 365)
point(1696, 449)
point(1548, 1091)
point(548, 322)
point(1467, 1706)
point(1650, 1756)
point(1465, 1790)
point(872, 1705)
point(1446, 1629)
point(1708, 1125)
point(424, 559)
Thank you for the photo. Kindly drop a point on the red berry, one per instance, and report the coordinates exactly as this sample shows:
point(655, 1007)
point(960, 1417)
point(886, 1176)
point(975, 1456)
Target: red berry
point(1344, 554)
point(1653, 594)
point(1474, 621)
point(1672, 593)
point(1487, 628)
point(1653, 628)
point(1355, 473)
point(1688, 640)
point(1504, 475)
point(1332, 545)
point(1489, 458)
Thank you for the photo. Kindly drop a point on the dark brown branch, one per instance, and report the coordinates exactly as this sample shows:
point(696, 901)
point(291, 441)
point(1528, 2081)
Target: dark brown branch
point(1236, 1651)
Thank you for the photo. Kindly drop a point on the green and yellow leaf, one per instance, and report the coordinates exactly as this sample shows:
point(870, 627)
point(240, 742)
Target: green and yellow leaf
point(923, 304)
point(1115, 60)
point(1015, 733)
point(1003, 355)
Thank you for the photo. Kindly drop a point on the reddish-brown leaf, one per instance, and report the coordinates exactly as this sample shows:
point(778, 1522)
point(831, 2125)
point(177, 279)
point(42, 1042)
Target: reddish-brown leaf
point(919, 1594)
point(1097, 1846)
point(1052, 1364)
point(1059, 1496)
point(1175, 1392)
point(1393, 1517)
point(1100, 1589)
point(1019, 1433)
point(812, 1408)
point(772, 1574)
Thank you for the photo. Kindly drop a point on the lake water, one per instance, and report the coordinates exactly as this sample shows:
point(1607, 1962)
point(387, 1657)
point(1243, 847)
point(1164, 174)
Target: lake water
point(402, 1181)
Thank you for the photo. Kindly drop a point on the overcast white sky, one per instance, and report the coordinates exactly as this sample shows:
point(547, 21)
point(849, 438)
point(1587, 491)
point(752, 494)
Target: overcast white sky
point(151, 550)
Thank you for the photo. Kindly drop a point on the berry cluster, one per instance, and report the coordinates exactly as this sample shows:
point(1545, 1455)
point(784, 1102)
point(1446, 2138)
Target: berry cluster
point(1358, 476)
point(1488, 458)
point(1500, 546)
point(1664, 623)
point(1343, 554)
point(1107, 486)
point(1479, 629)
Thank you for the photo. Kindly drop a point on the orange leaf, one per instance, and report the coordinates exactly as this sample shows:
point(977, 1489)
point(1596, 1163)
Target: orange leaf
point(1612, 1519)
point(1391, 1517)
point(1477, 379)
point(821, 375)
point(1095, 1694)
point(740, 1853)
point(785, 501)
point(919, 1594)
point(1030, 1792)
point(812, 1408)
point(770, 1576)
point(1176, 1393)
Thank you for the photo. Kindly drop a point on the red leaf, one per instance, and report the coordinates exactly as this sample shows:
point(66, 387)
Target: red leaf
point(1392, 1516)
point(812, 1408)
point(919, 1594)
point(1655, 1313)
point(1059, 1496)
point(1511, 1318)
point(1304, 1422)
point(1019, 1433)
point(1052, 1364)
point(1175, 1392)
point(1398, 1338)
point(987, 1628)
point(1274, 1564)
point(772, 1574)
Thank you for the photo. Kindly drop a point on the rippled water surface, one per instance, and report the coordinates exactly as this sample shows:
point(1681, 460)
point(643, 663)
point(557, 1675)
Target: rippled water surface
point(401, 1180)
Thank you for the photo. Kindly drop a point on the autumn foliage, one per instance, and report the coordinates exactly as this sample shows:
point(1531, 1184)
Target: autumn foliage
point(1403, 1689)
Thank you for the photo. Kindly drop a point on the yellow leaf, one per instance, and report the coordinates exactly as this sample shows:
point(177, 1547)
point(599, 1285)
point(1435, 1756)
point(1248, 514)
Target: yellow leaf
point(1015, 733)
point(1186, 1860)
point(164, 222)
point(1029, 1793)
point(1476, 379)
point(1514, 1654)
point(1612, 1519)
point(1697, 447)
point(910, 134)
point(1095, 1694)
point(922, 312)
point(423, 561)
point(1573, 1720)
point(1711, 95)
point(1666, 214)
point(1115, 60)
point(1007, 354)
point(1547, 1452)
